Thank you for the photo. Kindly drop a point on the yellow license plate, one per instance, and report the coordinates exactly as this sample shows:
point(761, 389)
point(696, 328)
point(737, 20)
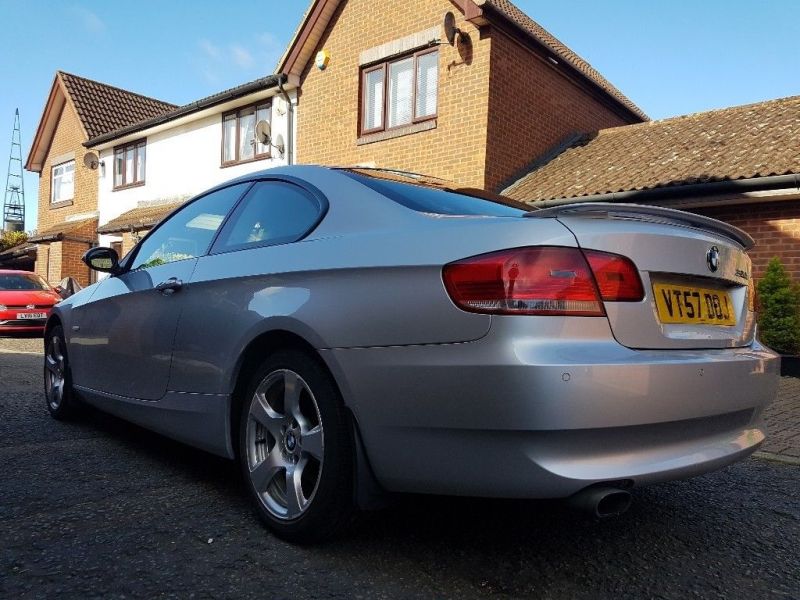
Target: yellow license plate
point(690, 304)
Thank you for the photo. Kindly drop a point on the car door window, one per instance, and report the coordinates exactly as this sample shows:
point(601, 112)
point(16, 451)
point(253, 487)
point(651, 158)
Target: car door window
point(188, 233)
point(273, 212)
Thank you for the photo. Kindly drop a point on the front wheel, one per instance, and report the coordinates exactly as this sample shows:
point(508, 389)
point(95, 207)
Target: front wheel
point(296, 448)
point(57, 377)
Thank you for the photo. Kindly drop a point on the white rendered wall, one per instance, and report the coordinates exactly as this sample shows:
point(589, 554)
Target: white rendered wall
point(181, 162)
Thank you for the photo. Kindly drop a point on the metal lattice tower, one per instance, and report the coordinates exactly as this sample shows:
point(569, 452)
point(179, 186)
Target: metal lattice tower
point(14, 201)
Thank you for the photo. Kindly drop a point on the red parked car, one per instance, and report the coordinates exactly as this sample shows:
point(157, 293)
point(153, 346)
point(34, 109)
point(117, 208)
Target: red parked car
point(25, 301)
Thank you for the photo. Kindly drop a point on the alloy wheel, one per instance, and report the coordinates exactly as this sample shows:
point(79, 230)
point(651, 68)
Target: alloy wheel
point(55, 369)
point(284, 444)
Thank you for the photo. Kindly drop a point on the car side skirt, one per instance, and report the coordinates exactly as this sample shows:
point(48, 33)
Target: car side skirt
point(199, 420)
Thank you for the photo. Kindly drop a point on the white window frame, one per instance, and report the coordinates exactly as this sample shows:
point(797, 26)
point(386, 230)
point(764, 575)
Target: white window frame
point(57, 173)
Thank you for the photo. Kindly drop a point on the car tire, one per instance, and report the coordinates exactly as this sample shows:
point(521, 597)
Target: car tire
point(296, 448)
point(59, 395)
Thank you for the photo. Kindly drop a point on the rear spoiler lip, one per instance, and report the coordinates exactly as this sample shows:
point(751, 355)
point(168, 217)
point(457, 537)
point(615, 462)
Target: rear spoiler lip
point(653, 214)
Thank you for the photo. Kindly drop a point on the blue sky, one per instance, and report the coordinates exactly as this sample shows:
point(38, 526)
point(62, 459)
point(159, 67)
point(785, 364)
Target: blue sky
point(670, 58)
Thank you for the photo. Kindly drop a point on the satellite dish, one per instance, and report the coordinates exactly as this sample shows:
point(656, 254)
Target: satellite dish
point(450, 29)
point(279, 145)
point(91, 161)
point(264, 132)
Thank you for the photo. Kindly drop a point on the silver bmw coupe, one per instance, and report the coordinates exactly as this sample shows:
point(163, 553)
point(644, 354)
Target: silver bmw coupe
point(344, 333)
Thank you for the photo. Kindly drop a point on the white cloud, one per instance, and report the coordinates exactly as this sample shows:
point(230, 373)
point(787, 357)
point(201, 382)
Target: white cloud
point(90, 20)
point(241, 56)
point(235, 61)
point(210, 50)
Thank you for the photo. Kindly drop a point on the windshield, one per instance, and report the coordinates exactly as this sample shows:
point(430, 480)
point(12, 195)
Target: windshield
point(437, 196)
point(22, 282)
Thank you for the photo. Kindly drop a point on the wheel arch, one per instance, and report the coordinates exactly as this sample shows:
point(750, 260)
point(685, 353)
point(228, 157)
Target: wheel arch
point(255, 351)
point(53, 321)
point(368, 493)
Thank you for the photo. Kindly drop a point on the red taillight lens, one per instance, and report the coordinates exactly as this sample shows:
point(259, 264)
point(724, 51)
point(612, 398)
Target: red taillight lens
point(525, 281)
point(616, 277)
point(542, 281)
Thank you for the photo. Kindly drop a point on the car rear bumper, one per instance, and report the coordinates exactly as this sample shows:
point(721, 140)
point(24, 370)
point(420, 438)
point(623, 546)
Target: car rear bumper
point(528, 412)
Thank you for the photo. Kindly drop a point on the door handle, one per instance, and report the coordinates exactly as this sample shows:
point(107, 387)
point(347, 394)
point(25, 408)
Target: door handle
point(170, 286)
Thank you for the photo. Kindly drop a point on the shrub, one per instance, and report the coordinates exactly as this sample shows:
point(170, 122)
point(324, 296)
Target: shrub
point(779, 315)
point(9, 239)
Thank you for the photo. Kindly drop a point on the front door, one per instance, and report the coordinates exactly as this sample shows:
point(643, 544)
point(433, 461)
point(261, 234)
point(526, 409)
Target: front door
point(127, 329)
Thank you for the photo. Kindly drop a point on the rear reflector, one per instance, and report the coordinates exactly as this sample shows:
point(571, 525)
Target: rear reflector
point(541, 281)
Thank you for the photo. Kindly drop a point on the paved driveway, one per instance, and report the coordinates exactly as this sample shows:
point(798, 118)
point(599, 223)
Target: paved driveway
point(98, 507)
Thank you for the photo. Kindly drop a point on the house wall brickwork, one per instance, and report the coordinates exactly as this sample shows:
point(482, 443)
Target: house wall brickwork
point(774, 226)
point(68, 137)
point(499, 104)
point(328, 108)
point(532, 108)
point(57, 260)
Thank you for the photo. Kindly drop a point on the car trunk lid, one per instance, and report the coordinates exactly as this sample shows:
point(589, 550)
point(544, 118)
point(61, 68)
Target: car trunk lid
point(695, 272)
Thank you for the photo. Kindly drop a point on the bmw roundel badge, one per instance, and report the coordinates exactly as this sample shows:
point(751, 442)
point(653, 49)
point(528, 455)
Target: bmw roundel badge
point(712, 259)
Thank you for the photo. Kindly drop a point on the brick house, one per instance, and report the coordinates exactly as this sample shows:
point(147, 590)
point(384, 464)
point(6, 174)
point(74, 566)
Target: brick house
point(739, 164)
point(76, 110)
point(394, 93)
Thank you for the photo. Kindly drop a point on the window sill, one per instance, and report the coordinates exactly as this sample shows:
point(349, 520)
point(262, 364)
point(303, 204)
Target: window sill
point(379, 136)
point(61, 203)
point(119, 188)
point(225, 165)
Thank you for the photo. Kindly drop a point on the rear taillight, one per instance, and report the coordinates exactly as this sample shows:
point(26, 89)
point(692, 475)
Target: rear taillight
point(616, 276)
point(541, 281)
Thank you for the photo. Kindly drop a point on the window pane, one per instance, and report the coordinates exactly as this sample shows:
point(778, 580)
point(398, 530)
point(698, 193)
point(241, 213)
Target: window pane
point(247, 132)
point(118, 166)
point(188, 233)
point(229, 138)
point(427, 84)
point(442, 202)
point(55, 184)
point(128, 165)
point(140, 161)
point(262, 114)
point(401, 80)
point(272, 213)
point(68, 181)
point(373, 100)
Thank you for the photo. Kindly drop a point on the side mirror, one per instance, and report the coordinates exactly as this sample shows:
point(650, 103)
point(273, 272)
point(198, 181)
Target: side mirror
point(102, 259)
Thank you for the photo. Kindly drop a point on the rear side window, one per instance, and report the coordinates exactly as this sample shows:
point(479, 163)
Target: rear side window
point(273, 212)
point(423, 198)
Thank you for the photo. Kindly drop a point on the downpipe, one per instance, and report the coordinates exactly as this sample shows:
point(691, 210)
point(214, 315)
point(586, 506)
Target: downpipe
point(601, 502)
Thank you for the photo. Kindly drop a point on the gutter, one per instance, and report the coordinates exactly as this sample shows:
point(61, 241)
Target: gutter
point(663, 195)
point(187, 109)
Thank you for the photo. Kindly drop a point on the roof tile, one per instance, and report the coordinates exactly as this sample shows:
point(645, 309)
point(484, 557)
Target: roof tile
point(103, 108)
point(755, 140)
point(142, 217)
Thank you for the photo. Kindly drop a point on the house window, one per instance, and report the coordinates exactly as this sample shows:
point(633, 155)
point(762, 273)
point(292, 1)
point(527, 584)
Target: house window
point(129, 164)
point(239, 143)
point(62, 186)
point(399, 92)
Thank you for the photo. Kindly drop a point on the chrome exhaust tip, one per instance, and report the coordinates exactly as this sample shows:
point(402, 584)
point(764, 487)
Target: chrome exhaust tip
point(601, 502)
